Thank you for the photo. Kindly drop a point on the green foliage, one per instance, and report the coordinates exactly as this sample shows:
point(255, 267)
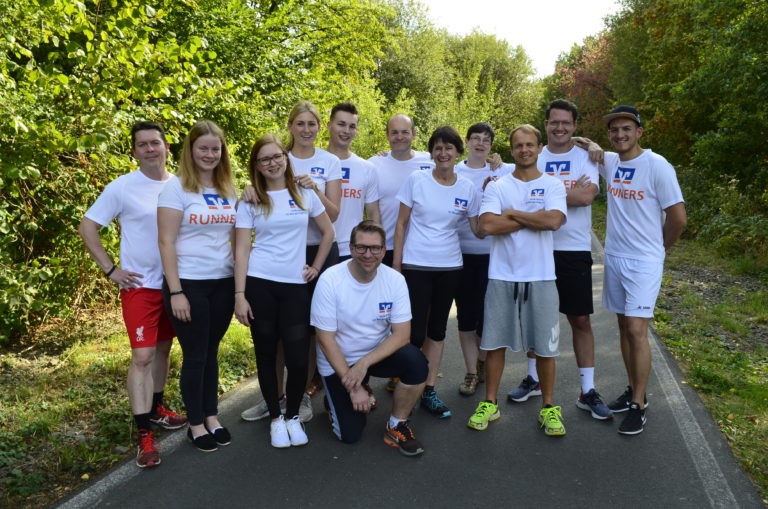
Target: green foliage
point(74, 77)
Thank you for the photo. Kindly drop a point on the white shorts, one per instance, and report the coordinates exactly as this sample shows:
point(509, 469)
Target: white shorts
point(630, 287)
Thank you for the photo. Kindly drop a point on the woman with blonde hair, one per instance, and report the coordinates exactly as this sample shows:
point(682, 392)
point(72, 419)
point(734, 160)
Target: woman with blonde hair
point(195, 218)
point(271, 276)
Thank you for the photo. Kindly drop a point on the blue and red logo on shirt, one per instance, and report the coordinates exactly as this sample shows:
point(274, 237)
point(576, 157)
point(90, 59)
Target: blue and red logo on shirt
point(537, 193)
point(623, 175)
point(292, 204)
point(317, 171)
point(345, 175)
point(425, 167)
point(460, 204)
point(214, 201)
point(555, 168)
point(385, 307)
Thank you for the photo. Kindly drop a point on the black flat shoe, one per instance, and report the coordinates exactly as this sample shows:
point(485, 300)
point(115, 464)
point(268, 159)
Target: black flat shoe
point(221, 435)
point(204, 443)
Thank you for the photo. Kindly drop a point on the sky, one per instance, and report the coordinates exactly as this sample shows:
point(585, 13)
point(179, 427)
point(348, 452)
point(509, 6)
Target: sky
point(544, 28)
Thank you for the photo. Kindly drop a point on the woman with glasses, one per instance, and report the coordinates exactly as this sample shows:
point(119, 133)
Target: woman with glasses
point(195, 219)
point(475, 255)
point(427, 250)
point(271, 276)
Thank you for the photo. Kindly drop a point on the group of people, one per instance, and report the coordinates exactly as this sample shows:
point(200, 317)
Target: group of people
point(354, 298)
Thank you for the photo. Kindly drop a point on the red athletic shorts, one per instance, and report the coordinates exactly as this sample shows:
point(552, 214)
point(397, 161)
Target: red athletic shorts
point(145, 317)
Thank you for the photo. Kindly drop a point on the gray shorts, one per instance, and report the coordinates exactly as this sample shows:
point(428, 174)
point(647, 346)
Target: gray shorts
point(522, 316)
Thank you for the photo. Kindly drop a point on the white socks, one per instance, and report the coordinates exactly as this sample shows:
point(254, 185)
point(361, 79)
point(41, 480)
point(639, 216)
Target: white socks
point(532, 369)
point(587, 376)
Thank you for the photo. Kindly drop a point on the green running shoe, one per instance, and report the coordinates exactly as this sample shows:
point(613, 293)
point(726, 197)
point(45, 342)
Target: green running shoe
point(551, 419)
point(485, 413)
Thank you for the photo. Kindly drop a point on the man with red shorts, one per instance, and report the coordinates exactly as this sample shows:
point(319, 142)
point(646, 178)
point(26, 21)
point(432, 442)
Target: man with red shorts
point(133, 199)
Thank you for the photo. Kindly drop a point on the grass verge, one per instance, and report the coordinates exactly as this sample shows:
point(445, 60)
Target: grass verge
point(65, 410)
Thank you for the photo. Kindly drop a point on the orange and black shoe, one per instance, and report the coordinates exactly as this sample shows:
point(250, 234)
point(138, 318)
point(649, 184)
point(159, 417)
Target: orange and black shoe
point(403, 438)
point(392, 383)
point(167, 419)
point(147, 455)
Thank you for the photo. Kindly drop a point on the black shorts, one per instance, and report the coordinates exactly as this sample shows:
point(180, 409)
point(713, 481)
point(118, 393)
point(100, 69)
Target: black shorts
point(330, 260)
point(470, 296)
point(574, 282)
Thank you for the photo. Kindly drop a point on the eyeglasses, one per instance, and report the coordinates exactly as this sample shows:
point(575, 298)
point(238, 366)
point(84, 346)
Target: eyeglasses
point(362, 248)
point(479, 139)
point(264, 161)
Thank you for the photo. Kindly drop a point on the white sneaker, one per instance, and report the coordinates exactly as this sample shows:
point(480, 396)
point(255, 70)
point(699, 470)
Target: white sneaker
point(296, 431)
point(279, 433)
point(260, 411)
point(305, 408)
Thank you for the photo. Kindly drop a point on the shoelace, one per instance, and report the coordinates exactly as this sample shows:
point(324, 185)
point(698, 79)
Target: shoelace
point(404, 431)
point(147, 442)
point(483, 409)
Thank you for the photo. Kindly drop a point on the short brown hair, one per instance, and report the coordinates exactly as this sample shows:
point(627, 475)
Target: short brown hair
point(526, 128)
point(368, 226)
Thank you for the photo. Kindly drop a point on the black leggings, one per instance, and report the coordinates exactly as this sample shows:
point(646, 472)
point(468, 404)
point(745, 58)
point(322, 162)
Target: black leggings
point(470, 297)
point(280, 312)
point(407, 363)
point(211, 302)
point(431, 294)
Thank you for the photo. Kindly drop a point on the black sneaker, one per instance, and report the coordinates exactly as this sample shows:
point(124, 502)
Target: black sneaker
point(221, 435)
point(634, 421)
point(403, 438)
point(204, 443)
point(621, 404)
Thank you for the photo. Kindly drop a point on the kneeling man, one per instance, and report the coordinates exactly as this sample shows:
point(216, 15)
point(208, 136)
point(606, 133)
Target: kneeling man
point(362, 315)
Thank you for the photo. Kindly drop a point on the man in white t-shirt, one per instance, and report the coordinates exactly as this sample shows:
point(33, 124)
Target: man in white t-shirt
point(646, 215)
point(520, 211)
point(393, 169)
point(359, 181)
point(562, 159)
point(361, 313)
point(132, 198)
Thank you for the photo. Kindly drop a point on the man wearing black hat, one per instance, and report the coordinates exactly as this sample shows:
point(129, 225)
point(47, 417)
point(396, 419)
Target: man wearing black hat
point(646, 215)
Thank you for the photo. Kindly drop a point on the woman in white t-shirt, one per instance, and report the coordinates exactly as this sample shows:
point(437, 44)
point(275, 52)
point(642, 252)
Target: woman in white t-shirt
point(195, 219)
point(475, 252)
point(271, 276)
point(427, 250)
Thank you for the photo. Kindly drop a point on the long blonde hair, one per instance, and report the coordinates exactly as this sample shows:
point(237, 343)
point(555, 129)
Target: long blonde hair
point(222, 174)
point(301, 107)
point(258, 181)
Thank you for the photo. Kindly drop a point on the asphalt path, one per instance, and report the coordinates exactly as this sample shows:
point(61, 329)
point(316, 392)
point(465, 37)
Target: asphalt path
point(681, 460)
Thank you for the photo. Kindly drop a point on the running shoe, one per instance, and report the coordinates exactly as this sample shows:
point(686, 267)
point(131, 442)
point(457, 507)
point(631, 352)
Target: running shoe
point(147, 455)
point(551, 419)
point(527, 388)
point(591, 402)
point(621, 404)
point(634, 421)
point(392, 383)
point(469, 386)
point(432, 402)
point(305, 408)
point(485, 413)
point(402, 437)
point(260, 411)
point(296, 432)
point(480, 372)
point(167, 419)
point(278, 432)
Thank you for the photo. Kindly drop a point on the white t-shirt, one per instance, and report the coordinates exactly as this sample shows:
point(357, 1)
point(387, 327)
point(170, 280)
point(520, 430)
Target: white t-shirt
point(432, 235)
point(469, 243)
point(576, 234)
point(359, 186)
point(524, 255)
point(203, 247)
point(638, 192)
point(361, 314)
point(279, 248)
point(323, 167)
point(392, 174)
point(132, 198)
